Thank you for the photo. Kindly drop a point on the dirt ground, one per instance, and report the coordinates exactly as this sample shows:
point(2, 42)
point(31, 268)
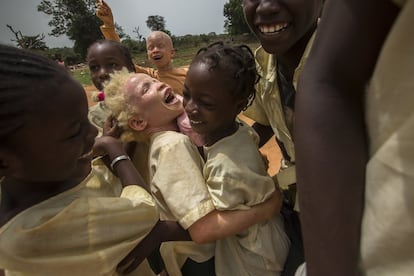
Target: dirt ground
point(270, 149)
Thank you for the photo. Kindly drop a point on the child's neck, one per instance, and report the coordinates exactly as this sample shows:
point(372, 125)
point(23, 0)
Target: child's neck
point(151, 130)
point(166, 68)
point(289, 61)
point(212, 138)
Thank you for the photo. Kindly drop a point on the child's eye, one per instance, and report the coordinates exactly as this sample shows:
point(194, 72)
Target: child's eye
point(114, 65)
point(93, 68)
point(145, 88)
point(186, 95)
point(207, 105)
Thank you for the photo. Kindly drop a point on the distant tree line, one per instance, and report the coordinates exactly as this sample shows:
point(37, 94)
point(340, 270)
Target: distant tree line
point(77, 20)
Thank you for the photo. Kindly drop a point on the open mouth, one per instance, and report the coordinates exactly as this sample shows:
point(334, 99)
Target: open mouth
point(169, 97)
point(195, 122)
point(156, 57)
point(273, 29)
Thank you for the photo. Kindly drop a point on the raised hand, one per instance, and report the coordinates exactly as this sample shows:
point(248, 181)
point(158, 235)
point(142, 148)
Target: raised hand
point(104, 12)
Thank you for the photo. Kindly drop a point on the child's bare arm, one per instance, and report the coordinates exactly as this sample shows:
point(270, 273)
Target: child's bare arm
point(162, 231)
point(104, 13)
point(331, 148)
point(120, 162)
point(221, 224)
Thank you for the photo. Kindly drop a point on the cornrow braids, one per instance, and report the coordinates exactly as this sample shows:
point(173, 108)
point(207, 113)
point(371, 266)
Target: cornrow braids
point(23, 76)
point(120, 47)
point(236, 60)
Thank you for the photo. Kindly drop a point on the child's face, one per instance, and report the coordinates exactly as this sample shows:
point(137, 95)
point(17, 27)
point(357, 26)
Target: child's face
point(104, 59)
point(208, 101)
point(280, 24)
point(157, 103)
point(55, 143)
point(160, 51)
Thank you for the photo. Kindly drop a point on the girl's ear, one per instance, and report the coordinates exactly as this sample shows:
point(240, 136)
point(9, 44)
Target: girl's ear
point(137, 123)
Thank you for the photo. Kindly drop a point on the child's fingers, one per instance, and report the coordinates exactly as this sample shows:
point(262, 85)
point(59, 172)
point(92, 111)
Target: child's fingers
point(133, 266)
point(130, 262)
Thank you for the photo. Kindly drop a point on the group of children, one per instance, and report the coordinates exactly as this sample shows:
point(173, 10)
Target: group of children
point(146, 193)
point(82, 202)
point(223, 198)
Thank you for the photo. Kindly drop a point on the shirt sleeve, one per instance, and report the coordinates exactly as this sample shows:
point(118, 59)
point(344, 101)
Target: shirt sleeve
point(237, 179)
point(178, 183)
point(80, 232)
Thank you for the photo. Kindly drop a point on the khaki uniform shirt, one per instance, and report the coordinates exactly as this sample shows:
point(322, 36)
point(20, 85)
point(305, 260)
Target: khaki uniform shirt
point(387, 237)
point(237, 179)
point(178, 186)
point(86, 230)
point(267, 109)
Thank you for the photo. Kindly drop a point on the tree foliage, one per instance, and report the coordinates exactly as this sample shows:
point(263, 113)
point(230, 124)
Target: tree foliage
point(28, 42)
point(157, 23)
point(234, 22)
point(74, 18)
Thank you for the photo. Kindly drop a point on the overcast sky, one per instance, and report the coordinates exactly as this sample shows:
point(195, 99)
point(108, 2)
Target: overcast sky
point(182, 17)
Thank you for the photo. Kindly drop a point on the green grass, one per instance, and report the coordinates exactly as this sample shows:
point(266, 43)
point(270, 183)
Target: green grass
point(82, 75)
point(183, 56)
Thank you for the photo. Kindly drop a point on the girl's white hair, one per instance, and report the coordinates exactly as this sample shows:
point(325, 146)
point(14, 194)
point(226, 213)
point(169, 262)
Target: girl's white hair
point(122, 105)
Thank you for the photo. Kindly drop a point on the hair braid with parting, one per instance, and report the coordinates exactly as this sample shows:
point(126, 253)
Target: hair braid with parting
point(236, 60)
point(23, 76)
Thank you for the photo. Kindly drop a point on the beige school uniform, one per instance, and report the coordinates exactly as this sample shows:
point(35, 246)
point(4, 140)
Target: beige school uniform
point(267, 110)
point(236, 178)
point(387, 239)
point(178, 186)
point(86, 230)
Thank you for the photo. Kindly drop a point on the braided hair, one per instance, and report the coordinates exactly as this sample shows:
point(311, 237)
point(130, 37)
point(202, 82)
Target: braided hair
point(24, 78)
point(235, 60)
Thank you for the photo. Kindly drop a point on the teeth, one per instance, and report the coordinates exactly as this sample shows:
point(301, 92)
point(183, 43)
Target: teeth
point(273, 28)
point(195, 122)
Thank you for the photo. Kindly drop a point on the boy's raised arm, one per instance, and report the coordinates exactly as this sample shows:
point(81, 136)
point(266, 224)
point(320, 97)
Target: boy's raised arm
point(104, 13)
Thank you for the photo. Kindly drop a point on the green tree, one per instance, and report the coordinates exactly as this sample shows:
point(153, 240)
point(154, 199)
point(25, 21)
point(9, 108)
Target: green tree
point(234, 22)
point(74, 18)
point(28, 42)
point(120, 31)
point(157, 23)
